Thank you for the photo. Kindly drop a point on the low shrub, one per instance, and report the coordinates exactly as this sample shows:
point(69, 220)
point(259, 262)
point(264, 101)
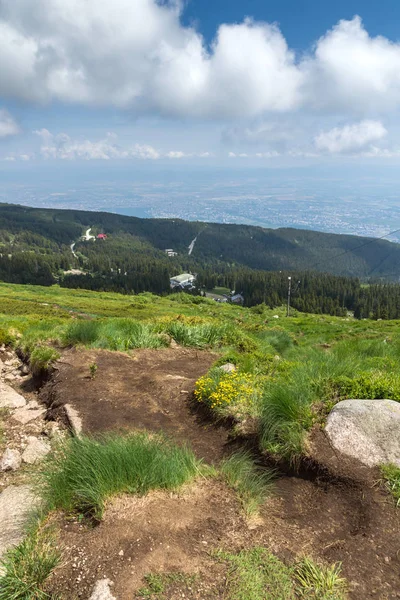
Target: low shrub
point(371, 385)
point(84, 472)
point(235, 394)
point(27, 566)
point(251, 483)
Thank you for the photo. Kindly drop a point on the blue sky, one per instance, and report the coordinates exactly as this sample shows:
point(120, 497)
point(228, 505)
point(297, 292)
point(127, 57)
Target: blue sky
point(273, 83)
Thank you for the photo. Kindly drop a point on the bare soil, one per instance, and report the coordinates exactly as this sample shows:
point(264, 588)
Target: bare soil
point(334, 509)
point(148, 389)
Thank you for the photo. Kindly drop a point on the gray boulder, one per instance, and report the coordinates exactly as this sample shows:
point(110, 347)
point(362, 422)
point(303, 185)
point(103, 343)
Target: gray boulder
point(26, 415)
point(9, 398)
point(35, 450)
point(16, 505)
point(101, 590)
point(10, 461)
point(368, 430)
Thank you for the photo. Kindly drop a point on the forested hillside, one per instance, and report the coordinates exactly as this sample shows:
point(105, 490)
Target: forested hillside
point(51, 230)
point(47, 246)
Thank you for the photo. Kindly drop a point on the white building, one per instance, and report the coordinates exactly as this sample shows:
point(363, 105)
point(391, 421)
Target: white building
point(183, 280)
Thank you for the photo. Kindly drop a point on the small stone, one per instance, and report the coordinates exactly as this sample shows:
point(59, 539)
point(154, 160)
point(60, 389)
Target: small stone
point(228, 367)
point(25, 370)
point(11, 460)
point(35, 450)
point(101, 590)
point(33, 405)
point(121, 553)
point(9, 377)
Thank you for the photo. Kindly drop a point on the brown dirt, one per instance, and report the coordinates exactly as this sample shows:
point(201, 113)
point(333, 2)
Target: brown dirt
point(149, 389)
point(334, 510)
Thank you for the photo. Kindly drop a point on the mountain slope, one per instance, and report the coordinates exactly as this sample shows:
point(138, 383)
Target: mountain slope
point(50, 231)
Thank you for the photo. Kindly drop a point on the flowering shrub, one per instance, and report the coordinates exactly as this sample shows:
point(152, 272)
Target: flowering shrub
point(232, 393)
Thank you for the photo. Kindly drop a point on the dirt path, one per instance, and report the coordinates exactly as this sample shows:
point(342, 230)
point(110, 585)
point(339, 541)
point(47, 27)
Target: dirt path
point(152, 390)
point(335, 512)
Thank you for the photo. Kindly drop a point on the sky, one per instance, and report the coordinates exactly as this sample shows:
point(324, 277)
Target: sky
point(261, 83)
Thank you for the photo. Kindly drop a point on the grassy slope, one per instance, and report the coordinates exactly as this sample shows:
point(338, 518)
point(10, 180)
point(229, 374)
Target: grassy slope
point(290, 370)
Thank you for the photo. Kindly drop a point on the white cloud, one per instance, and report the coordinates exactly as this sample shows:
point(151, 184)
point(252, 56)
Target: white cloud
point(61, 146)
point(8, 125)
point(350, 138)
point(176, 154)
point(136, 53)
point(351, 70)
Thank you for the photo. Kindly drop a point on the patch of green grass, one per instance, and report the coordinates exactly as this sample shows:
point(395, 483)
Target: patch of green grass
point(391, 474)
point(257, 574)
point(196, 336)
point(251, 483)
point(319, 582)
point(157, 584)
point(286, 416)
point(29, 565)
point(85, 472)
point(42, 358)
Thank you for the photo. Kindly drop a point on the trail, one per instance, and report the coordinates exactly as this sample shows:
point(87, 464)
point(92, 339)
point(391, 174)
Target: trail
point(191, 245)
point(88, 236)
point(72, 249)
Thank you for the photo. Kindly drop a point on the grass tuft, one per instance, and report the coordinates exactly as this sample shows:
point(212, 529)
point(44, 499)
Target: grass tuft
point(319, 582)
point(391, 474)
point(28, 566)
point(42, 358)
point(85, 472)
point(251, 483)
point(257, 574)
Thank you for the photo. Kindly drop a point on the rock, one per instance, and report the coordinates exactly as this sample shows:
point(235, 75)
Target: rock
point(368, 430)
point(9, 398)
point(35, 450)
point(173, 344)
point(101, 590)
point(24, 370)
point(33, 405)
point(9, 377)
point(25, 415)
point(228, 367)
point(74, 420)
point(52, 429)
point(16, 506)
point(11, 460)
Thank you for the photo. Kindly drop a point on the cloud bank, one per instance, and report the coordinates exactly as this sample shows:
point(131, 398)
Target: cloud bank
point(136, 54)
point(351, 138)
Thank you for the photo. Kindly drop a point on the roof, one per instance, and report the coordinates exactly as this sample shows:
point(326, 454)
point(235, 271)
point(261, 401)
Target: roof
point(102, 235)
point(183, 277)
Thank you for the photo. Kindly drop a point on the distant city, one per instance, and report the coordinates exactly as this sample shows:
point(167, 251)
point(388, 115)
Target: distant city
point(370, 208)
